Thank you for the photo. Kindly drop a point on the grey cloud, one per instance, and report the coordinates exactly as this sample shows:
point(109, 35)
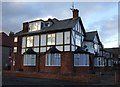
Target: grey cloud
point(107, 29)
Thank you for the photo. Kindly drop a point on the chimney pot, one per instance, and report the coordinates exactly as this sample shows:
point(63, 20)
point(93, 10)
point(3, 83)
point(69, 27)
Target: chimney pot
point(75, 13)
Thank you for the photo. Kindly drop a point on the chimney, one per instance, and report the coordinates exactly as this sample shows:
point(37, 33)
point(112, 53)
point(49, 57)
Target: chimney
point(25, 27)
point(75, 13)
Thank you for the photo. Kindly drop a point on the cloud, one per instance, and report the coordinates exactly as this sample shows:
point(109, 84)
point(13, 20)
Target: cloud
point(108, 31)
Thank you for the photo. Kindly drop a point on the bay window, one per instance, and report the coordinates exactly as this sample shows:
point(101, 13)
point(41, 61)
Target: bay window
point(81, 60)
point(29, 60)
point(23, 42)
point(53, 59)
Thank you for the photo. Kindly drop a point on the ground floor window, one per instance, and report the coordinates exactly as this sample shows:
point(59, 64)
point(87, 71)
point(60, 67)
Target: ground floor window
point(81, 59)
point(29, 60)
point(53, 59)
point(99, 61)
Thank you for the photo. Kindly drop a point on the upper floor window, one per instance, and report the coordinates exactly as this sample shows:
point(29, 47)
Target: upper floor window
point(23, 42)
point(51, 39)
point(30, 41)
point(34, 26)
point(15, 49)
point(67, 37)
point(15, 39)
point(78, 40)
point(36, 40)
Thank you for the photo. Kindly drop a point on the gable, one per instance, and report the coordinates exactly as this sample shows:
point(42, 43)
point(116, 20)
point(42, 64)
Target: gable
point(95, 39)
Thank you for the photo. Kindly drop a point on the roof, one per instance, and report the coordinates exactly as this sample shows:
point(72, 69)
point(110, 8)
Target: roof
point(80, 50)
point(53, 49)
point(30, 51)
point(57, 26)
point(91, 35)
point(5, 40)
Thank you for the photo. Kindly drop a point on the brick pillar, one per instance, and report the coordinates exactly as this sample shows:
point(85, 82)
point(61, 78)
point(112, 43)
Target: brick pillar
point(66, 63)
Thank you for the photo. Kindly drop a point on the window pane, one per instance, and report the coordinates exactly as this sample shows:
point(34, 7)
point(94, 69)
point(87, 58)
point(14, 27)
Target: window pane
point(15, 39)
point(43, 40)
point(29, 60)
point(15, 49)
point(67, 37)
point(59, 38)
point(81, 60)
point(51, 39)
point(36, 40)
point(43, 49)
point(23, 42)
point(53, 59)
point(36, 49)
point(23, 50)
point(60, 48)
point(67, 48)
point(30, 41)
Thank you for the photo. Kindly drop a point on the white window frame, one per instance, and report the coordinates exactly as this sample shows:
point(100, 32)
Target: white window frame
point(53, 56)
point(79, 58)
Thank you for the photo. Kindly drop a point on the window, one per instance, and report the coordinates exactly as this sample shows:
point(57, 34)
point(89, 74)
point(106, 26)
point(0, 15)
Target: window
point(30, 41)
point(51, 39)
point(67, 37)
point(29, 60)
point(81, 60)
point(53, 59)
point(59, 38)
point(15, 39)
point(36, 40)
point(23, 42)
point(15, 49)
point(78, 40)
point(43, 40)
point(99, 61)
point(34, 26)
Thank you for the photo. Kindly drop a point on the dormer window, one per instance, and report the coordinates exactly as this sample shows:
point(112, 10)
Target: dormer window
point(34, 26)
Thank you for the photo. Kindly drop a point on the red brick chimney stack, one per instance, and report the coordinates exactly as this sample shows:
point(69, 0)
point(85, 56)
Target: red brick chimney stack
point(25, 27)
point(75, 13)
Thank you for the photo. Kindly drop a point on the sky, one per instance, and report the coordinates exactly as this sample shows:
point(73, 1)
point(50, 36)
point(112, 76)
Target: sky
point(100, 16)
